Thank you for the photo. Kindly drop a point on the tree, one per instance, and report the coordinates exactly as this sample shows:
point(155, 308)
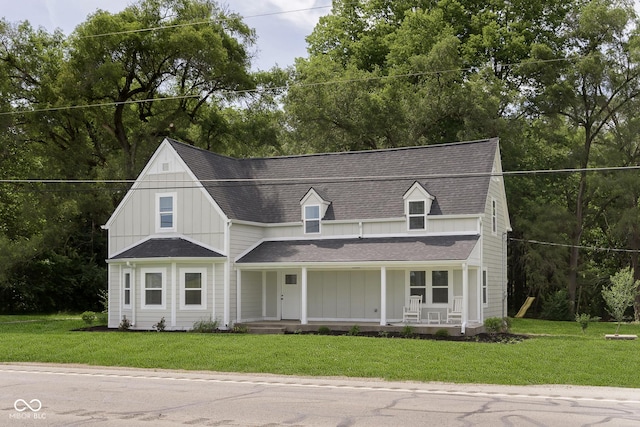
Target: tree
point(169, 81)
point(594, 75)
point(621, 294)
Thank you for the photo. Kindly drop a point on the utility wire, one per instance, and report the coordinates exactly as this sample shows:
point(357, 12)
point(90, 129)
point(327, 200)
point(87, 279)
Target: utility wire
point(206, 21)
point(333, 178)
point(562, 245)
point(276, 88)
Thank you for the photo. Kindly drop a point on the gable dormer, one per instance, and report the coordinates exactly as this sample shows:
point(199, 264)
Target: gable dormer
point(314, 208)
point(417, 205)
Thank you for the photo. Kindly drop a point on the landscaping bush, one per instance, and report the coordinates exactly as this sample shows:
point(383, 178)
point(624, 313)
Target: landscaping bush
point(556, 306)
point(408, 331)
point(324, 330)
point(584, 319)
point(442, 333)
point(160, 326)
point(496, 325)
point(205, 326)
point(88, 317)
point(355, 330)
point(125, 325)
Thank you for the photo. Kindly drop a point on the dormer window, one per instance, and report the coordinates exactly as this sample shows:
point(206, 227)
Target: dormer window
point(312, 219)
point(417, 206)
point(417, 215)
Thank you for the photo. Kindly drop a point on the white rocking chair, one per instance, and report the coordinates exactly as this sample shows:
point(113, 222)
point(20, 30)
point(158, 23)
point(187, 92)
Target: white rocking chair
point(455, 312)
point(414, 310)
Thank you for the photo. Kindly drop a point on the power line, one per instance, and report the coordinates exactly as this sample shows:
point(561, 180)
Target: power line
point(272, 89)
point(206, 21)
point(562, 245)
point(332, 178)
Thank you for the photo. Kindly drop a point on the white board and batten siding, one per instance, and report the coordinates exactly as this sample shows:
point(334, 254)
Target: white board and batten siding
point(177, 314)
point(494, 246)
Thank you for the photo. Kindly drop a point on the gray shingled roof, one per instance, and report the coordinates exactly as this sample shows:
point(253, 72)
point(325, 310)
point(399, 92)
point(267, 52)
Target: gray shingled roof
point(369, 194)
point(435, 248)
point(167, 248)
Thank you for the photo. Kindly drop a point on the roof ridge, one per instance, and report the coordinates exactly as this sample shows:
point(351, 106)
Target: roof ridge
point(334, 153)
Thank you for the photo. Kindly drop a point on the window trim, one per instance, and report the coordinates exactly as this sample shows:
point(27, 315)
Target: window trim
point(449, 287)
point(485, 287)
point(126, 289)
point(422, 215)
point(494, 216)
point(307, 220)
point(183, 288)
point(422, 287)
point(174, 213)
point(163, 288)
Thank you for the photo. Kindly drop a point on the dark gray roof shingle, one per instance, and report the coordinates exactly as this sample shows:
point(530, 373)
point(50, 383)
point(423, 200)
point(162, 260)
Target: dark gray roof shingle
point(167, 248)
point(433, 248)
point(359, 185)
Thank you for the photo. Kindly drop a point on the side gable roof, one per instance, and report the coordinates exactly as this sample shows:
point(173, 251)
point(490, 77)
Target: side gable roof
point(167, 248)
point(360, 185)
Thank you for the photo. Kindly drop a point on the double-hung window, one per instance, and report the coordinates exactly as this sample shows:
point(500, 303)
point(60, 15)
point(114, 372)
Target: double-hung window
point(127, 290)
point(193, 288)
point(153, 288)
point(312, 219)
point(418, 284)
point(440, 287)
point(417, 215)
point(166, 212)
point(484, 287)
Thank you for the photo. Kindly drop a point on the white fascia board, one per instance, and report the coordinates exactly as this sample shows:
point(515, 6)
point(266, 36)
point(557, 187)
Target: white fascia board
point(351, 221)
point(164, 144)
point(497, 168)
point(168, 236)
point(183, 260)
point(362, 265)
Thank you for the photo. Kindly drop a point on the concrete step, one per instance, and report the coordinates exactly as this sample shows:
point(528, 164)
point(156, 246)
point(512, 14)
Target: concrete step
point(265, 330)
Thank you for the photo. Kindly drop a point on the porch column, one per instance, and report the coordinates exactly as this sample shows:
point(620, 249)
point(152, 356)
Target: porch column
point(303, 297)
point(239, 295)
point(479, 293)
point(383, 296)
point(465, 296)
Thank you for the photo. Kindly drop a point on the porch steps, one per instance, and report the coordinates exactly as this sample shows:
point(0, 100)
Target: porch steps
point(266, 330)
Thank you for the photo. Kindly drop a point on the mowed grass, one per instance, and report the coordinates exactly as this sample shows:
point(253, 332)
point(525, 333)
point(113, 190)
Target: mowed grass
point(563, 355)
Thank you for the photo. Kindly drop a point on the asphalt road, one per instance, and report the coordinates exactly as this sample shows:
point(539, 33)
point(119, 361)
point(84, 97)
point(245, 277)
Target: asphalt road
point(55, 395)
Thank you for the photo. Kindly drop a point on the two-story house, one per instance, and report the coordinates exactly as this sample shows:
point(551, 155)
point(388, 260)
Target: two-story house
point(344, 237)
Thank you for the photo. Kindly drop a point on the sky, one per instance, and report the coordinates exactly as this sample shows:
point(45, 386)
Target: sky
point(281, 37)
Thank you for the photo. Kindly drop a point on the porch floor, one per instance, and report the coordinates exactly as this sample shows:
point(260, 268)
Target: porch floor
point(454, 329)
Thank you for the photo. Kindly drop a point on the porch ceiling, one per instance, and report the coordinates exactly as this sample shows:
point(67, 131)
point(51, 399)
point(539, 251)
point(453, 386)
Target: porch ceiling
point(424, 248)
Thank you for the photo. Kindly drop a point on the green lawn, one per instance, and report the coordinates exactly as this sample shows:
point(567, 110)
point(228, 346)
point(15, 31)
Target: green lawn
point(558, 354)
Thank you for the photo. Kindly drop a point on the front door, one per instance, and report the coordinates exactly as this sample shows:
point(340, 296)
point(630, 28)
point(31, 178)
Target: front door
point(290, 296)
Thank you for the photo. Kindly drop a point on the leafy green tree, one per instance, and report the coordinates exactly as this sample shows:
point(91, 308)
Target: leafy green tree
point(621, 294)
point(593, 76)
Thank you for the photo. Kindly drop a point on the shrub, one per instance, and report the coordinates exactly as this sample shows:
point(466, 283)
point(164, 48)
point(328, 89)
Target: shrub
point(496, 325)
point(205, 326)
point(355, 330)
point(88, 317)
point(407, 331)
point(556, 306)
point(442, 333)
point(324, 330)
point(584, 319)
point(160, 326)
point(125, 325)
point(240, 329)
point(383, 334)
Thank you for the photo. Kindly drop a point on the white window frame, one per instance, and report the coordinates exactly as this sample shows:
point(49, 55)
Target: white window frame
point(307, 220)
point(163, 288)
point(126, 289)
point(422, 215)
point(485, 287)
point(449, 287)
point(183, 288)
point(494, 216)
point(174, 213)
point(424, 287)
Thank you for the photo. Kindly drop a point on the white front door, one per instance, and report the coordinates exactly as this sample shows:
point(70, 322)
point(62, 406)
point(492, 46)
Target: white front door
point(290, 297)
